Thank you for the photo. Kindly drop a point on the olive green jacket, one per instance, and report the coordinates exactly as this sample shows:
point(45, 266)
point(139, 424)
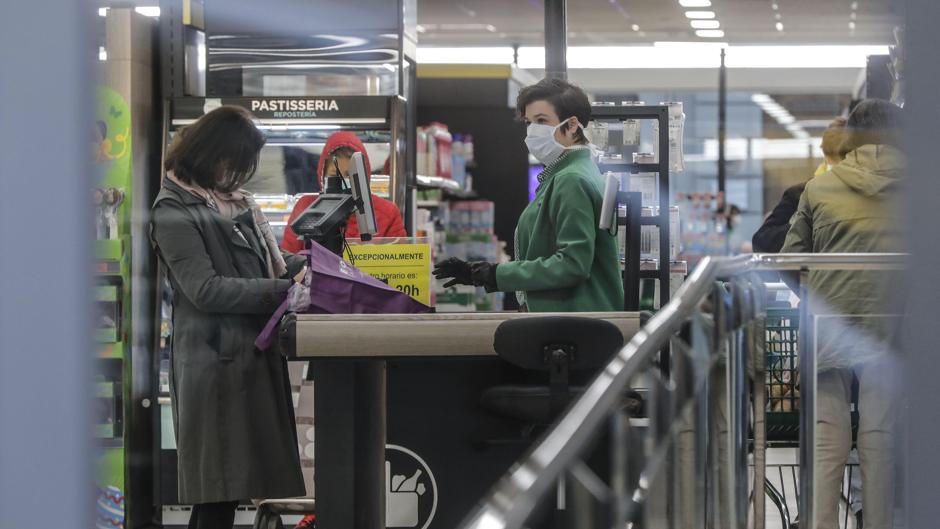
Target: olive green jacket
point(233, 413)
point(852, 209)
point(564, 262)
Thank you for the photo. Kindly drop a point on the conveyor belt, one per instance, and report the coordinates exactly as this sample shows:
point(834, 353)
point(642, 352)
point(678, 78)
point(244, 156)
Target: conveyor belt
point(392, 335)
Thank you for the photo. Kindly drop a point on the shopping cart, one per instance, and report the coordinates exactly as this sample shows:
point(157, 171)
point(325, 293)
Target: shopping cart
point(781, 484)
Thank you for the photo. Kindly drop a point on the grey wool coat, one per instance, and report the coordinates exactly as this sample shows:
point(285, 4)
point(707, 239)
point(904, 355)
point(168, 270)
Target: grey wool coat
point(232, 406)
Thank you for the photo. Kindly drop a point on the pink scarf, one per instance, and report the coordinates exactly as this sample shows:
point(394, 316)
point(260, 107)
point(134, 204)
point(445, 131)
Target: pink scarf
point(230, 205)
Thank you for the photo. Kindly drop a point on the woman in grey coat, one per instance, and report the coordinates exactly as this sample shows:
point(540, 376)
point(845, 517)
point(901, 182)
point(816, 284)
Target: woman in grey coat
point(232, 406)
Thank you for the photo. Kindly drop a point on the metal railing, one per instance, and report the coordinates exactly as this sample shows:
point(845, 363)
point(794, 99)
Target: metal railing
point(685, 463)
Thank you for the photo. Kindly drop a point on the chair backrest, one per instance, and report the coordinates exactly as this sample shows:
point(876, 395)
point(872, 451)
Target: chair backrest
point(590, 342)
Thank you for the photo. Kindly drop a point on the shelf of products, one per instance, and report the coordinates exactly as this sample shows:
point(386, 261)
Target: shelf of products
point(437, 182)
point(651, 236)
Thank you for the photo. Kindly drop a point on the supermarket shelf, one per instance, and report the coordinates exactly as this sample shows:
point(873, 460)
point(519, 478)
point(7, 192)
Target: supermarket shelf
point(109, 249)
point(429, 203)
point(111, 351)
point(635, 111)
point(644, 221)
point(106, 293)
point(107, 336)
point(436, 182)
point(462, 194)
point(629, 166)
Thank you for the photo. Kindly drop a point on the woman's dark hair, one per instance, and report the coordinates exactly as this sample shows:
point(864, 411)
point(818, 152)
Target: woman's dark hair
point(218, 151)
point(568, 100)
point(873, 122)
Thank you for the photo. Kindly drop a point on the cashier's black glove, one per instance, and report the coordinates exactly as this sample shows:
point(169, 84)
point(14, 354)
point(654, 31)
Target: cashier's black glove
point(460, 272)
point(457, 270)
point(483, 275)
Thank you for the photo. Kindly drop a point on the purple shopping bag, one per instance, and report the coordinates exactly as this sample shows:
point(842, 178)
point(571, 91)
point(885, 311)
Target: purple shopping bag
point(337, 287)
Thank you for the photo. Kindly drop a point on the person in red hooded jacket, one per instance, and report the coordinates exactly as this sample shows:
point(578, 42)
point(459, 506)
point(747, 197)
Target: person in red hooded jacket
point(342, 145)
point(388, 219)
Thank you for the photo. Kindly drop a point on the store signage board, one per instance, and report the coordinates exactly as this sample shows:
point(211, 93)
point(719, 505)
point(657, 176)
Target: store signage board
point(405, 263)
point(280, 109)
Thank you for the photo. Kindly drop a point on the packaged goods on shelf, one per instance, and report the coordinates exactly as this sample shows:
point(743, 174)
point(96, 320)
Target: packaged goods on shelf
point(421, 164)
point(471, 247)
point(380, 185)
point(468, 149)
point(458, 161)
point(643, 183)
point(440, 143)
point(649, 288)
point(676, 135)
point(632, 127)
point(472, 216)
point(463, 298)
point(649, 235)
point(597, 133)
point(704, 228)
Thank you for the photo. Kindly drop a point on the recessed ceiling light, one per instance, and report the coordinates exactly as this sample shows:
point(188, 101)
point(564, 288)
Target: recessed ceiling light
point(102, 11)
point(710, 33)
point(774, 6)
point(854, 6)
point(635, 27)
point(853, 15)
point(852, 26)
point(700, 14)
point(148, 11)
point(695, 3)
point(778, 16)
point(705, 24)
point(779, 26)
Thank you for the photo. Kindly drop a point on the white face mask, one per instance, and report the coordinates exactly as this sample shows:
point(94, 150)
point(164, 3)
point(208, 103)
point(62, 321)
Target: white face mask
point(540, 140)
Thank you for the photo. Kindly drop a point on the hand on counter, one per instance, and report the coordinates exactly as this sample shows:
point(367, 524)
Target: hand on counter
point(460, 272)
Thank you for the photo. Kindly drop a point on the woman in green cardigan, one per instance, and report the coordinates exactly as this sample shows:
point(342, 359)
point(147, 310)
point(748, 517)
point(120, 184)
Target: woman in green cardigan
point(564, 262)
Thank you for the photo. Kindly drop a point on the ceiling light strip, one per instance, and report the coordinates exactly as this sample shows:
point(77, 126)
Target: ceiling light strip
point(675, 55)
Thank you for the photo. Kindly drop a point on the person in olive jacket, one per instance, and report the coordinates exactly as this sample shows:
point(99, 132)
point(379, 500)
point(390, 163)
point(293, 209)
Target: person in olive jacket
point(772, 233)
point(856, 208)
point(563, 262)
point(232, 407)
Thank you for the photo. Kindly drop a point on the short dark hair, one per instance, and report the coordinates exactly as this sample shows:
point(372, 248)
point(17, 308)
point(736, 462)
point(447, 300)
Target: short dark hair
point(873, 122)
point(568, 100)
point(219, 151)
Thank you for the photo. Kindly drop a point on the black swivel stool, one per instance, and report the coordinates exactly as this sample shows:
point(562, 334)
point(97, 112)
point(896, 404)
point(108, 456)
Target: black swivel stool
point(569, 348)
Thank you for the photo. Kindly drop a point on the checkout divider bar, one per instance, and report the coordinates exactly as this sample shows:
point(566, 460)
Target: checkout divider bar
point(685, 463)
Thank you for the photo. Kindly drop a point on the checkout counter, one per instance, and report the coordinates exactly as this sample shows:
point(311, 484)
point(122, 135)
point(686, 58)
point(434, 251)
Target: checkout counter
point(400, 432)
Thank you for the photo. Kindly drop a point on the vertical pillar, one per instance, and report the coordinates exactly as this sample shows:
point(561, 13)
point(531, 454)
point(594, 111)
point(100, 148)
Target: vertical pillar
point(556, 39)
point(922, 72)
point(722, 123)
point(46, 224)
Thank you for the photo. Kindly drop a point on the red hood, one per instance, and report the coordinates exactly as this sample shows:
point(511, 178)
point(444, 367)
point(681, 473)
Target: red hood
point(342, 139)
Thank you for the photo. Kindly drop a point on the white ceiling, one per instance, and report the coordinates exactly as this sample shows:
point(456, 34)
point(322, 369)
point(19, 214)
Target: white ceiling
point(611, 22)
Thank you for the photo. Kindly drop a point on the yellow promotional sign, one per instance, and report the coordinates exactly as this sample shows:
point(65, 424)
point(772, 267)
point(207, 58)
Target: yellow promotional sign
point(405, 266)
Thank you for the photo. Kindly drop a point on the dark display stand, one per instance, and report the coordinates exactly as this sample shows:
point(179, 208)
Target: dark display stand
point(634, 220)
